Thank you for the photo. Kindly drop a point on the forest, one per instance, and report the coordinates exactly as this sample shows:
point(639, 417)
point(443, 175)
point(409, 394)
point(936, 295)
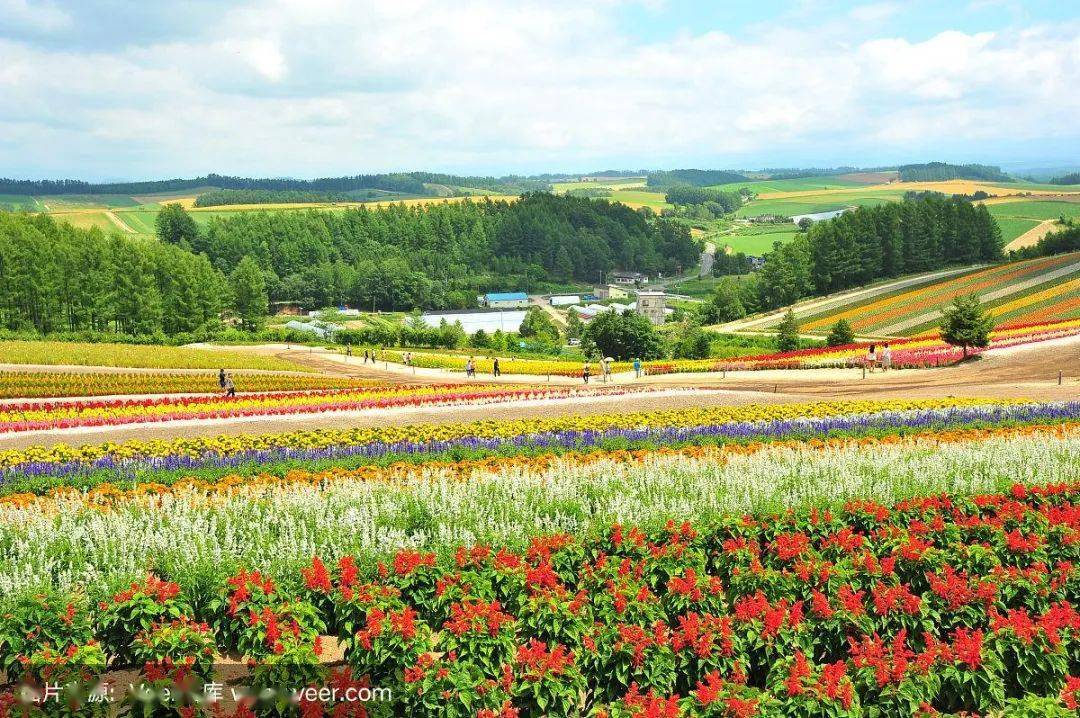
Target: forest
point(939, 171)
point(688, 194)
point(920, 234)
point(57, 278)
point(697, 178)
point(223, 197)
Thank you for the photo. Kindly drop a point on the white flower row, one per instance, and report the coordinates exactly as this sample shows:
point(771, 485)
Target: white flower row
point(192, 537)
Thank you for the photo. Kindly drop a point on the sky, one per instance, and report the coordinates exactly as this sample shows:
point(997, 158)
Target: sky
point(140, 89)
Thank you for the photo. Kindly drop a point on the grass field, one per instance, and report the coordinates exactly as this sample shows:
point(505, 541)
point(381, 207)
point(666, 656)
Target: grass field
point(755, 244)
point(823, 202)
point(1035, 209)
point(17, 202)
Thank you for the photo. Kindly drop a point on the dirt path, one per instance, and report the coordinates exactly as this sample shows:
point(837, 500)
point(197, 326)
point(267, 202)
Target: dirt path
point(118, 222)
point(1031, 237)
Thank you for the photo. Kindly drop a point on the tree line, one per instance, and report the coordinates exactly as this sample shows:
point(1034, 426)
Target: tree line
point(1067, 239)
point(407, 182)
point(1071, 178)
point(866, 244)
point(939, 171)
point(685, 194)
point(696, 178)
point(222, 197)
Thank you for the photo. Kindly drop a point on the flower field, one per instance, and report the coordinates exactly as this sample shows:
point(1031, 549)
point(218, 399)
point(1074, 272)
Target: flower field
point(47, 384)
point(840, 559)
point(1014, 287)
point(927, 350)
point(31, 416)
point(135, 355)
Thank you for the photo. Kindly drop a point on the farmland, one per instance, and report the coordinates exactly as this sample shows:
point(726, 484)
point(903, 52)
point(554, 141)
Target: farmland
point(1007, 287)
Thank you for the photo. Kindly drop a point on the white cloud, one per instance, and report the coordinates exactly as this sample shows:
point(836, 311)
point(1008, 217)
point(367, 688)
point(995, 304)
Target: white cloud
point(317, 88)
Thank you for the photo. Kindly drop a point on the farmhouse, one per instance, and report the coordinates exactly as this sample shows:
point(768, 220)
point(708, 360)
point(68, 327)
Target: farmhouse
point(652, 304)
point(629, 278)
point(504, 300)
point(490, 320)
point(610, 291)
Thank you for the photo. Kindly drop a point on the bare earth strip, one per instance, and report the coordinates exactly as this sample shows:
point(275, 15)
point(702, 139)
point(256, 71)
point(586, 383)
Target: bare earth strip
point(118, 222)
point(1031, 237)
point(1005, 291)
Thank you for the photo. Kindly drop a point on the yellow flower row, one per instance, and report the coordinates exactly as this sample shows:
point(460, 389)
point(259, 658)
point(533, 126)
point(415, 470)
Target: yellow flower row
point(322, 438)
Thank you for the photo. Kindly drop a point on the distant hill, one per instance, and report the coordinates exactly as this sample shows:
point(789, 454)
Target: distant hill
point(940, 171)
point(405, 182)
point(1073, 178)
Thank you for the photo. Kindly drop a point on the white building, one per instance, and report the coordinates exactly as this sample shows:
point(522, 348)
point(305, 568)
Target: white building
point(652, 304)
point(505, 300)
point(490, 320)
point(564, 300)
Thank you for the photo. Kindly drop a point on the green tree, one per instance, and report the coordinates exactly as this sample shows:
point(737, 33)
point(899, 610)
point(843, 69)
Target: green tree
point(539, 325)
point(249, 294)
point(966, 323)
point(787, 335)
point(726, 304)
point(574, 325)
point(175, 226)
point(480, 340)
point(693, 343)
point(841, 333)
point(623, 336)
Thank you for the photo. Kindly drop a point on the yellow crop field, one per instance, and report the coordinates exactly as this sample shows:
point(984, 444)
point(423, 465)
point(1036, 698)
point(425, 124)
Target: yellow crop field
point(947, 187)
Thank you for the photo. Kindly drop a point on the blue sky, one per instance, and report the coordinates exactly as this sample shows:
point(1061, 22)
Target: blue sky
point(118, 89)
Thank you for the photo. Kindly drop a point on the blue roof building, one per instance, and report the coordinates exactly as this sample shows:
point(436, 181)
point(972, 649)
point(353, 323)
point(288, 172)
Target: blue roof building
point(505, 300)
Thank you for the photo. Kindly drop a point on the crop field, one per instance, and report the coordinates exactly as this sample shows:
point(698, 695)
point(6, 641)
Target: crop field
point(801, 184)
point(814, 559)
point(17, 202)
point(640, 198)
point(916, 309)
point(134, 355)
point(612, 183)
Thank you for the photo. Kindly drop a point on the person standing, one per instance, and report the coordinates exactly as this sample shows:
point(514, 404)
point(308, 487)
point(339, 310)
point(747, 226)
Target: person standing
point(365, 356)
point(637, 368)
point(495, 368)
point(585, 373)
point(468, 368)
point(886, 357)
point(871, 357)
point(221, 379)
point(348, 350)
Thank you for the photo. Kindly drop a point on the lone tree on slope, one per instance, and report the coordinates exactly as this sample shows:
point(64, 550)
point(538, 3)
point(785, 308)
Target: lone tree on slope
point(840, 334)
point(966, 324)
point(787, 336)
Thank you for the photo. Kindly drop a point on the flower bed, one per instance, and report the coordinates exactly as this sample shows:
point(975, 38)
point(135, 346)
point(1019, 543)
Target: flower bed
point(936, 603)
point(170, 452)
point(30, 416)
point(44, 384)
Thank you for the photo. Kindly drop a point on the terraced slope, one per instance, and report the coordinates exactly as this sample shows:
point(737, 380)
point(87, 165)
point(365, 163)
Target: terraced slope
point(1041, 289)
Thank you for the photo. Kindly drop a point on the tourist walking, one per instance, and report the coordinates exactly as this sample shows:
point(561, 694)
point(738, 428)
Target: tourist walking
point(871, 357)
point(886, 357)
point(221, 379)
point(495, 368)
point(585, 371)
point(469, 367)
point(230, 386)
point(637, 368)
point(348, 350)
point(365, 356)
